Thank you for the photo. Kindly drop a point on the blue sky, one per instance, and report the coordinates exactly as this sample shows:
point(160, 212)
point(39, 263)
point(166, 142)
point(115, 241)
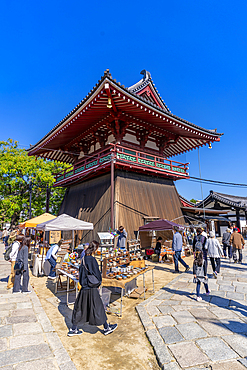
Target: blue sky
point(53, 53)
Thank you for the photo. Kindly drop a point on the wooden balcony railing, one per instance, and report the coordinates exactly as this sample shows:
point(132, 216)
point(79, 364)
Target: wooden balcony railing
point(123, 155)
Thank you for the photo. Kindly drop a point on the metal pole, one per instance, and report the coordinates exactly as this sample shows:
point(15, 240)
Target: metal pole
point(47, 198)
point(30, 198)
point(112, 191)
point(199, 163)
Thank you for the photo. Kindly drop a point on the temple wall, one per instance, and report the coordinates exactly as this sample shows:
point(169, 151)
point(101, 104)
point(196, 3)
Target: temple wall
point(136, 196)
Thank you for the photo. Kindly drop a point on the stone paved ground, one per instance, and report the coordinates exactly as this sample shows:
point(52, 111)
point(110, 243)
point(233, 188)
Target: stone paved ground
point(211, 334)
point(27, 338)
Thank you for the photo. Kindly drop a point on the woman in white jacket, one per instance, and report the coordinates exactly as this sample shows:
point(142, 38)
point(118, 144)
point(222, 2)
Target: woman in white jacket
point(215, 252)
point(12, 256)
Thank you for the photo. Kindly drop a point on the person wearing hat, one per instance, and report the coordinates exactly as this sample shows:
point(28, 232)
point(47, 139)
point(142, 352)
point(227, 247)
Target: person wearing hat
point(226, 243)
point(215, 252)
point(237, 242)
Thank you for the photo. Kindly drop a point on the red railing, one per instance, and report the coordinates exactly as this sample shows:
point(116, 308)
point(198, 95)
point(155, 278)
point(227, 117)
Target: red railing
point(126, 156)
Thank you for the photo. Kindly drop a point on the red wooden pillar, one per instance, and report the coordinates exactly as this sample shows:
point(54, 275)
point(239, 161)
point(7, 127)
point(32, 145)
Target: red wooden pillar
point(112, 191)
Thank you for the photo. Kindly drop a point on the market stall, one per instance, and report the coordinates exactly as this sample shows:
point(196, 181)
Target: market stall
point(150, 232)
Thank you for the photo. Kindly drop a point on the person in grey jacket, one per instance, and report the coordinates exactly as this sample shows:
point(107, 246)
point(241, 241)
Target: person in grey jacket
point(215, 252)
point(200, 274)
point(226, 243)
point(177, 244)
point(22, 256)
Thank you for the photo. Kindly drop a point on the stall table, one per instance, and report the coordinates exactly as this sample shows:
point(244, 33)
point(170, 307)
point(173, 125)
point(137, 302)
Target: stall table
point(76, 281)
point(121, 283)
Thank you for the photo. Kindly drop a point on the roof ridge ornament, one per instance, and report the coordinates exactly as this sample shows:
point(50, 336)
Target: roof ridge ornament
point(146, 75)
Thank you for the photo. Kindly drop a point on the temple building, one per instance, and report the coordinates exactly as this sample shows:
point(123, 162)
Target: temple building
point(120, 143)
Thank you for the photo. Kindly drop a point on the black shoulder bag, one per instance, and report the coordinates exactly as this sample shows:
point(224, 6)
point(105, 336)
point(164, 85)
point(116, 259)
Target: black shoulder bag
point(93, 281)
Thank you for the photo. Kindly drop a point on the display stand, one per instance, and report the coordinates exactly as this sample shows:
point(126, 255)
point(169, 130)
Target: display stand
point(106, 242)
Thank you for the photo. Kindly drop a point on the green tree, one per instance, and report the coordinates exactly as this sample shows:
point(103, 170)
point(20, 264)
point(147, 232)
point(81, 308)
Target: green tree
point(193, 200)
point(17, 171)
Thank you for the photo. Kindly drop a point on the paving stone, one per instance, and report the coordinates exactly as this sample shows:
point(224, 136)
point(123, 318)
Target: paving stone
point(16, 298)
point(227, 288)
point(26, 340)
point(234, 295)
point(202, 313)
point(164, 321)
point(239, 283)
point(221, 302)
point(216, 349)
point(165, 309)
point(22, 329)
point(3, 344)
point(214, 327)
point(217, 293)
point(243, 361)
point(152, 310)
point(242, 280)
point(144, 317)
point(44, 364)
point(183, 317)
point(4, 313)
point(164, 296)
point(24, 312)
point(61, 356)
point(223, 313)
point(241, 289)
point(160, 348)
point(171, 366)
point(228, 365)
point(7, 368)
point(54, 341)
point(171, 302)
point(188, 354)
point(238, 343)
point(238, 303)
point(170, 334)
point(14, 356)
point(24, 305)
point(67, 366)
point(7, 306)
point(45, 322)
point(21, 319)
point(191, 331)
point(6, 331)
point(235, 325)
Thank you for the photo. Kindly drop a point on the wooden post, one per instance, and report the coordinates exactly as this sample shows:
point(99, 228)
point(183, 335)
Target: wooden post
point(112, 191)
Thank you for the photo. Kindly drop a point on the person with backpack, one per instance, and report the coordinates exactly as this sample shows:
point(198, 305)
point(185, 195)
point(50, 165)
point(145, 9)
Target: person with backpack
point(88, 306)
point(22, 258)
point(226, 243)
point(12, 258)
point(200, 273)
point(199, 243)
point(215, 252)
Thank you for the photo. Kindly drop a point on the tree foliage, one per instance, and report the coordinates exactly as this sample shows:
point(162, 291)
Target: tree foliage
point(17, 171)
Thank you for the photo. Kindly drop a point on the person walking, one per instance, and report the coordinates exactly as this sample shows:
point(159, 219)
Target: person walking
point(237, 242)
point(22, 256)
point(177, 244)
point(88, 306)
point(199, 243)
point(226, 243)
point(12, 259)
point(200, 274)
point(5, 237)
point(215, 252)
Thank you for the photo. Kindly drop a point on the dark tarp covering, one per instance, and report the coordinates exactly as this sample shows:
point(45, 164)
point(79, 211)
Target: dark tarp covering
point(159, 225)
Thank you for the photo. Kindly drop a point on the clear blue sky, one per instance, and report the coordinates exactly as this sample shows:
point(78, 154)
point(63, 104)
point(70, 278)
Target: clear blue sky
point(53, 53)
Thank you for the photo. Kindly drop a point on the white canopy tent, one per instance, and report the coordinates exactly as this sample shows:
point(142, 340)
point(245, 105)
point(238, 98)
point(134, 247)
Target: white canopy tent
point(64, 222)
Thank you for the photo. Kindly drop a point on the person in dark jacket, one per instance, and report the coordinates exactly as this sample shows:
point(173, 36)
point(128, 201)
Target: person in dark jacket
point(200, 239)
point(157, 248)
point(22, 256)
point(200, 274)
point(226, 243)
point(88, 306)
